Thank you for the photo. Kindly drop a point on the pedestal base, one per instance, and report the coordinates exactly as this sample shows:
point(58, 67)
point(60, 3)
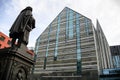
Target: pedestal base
point(14, 64)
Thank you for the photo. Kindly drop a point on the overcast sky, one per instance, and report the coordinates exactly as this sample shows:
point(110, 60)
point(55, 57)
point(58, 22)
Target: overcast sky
point(44, 11)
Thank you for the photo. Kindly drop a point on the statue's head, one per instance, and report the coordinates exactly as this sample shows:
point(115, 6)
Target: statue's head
point(28, 8)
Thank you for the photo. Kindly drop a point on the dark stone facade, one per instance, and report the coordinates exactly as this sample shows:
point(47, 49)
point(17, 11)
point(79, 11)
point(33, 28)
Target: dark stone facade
point(15, 65)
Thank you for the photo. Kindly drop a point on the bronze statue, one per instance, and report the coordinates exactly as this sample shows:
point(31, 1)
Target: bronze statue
point(21, 27)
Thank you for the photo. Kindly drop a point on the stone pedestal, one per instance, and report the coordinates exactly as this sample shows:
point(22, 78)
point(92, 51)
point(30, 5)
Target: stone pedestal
point(15, 64)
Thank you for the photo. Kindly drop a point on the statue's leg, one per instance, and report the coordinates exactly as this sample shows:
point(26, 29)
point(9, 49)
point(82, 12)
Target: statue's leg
point(19, 42)
point(13, 42)
point(26, 37)
point(20, 39)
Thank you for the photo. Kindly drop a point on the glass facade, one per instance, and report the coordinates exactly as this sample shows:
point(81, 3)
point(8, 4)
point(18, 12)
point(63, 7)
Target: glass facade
point(116, 61)
point(86, 27)
point(78, 44)
point(47, 47)
point(57, 39)
point(70, 24)
point(67, 28)
point(115, 52)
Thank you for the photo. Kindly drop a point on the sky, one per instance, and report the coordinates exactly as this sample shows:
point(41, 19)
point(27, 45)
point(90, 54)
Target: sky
point(44, 11)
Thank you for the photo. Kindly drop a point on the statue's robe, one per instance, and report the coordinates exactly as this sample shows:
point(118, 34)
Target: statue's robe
point(22, 26)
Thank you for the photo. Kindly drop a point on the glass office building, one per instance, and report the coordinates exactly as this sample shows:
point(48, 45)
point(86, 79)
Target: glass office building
point(68, 47)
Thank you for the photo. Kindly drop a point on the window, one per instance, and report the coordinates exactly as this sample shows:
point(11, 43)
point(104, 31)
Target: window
point(67, 12)
point(57, 38)
point(86, 26)
point(9, 42)
point(78, 45)
point(70, 24)
point(47, 47)
point(2, 38)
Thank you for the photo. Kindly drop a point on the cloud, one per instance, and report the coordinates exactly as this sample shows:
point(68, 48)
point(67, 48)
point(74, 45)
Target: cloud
point(117, 2)
point(44, 11)
point(108, 15)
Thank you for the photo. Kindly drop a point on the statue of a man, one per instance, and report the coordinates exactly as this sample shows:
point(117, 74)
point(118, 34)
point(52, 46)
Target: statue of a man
point(22, 26)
